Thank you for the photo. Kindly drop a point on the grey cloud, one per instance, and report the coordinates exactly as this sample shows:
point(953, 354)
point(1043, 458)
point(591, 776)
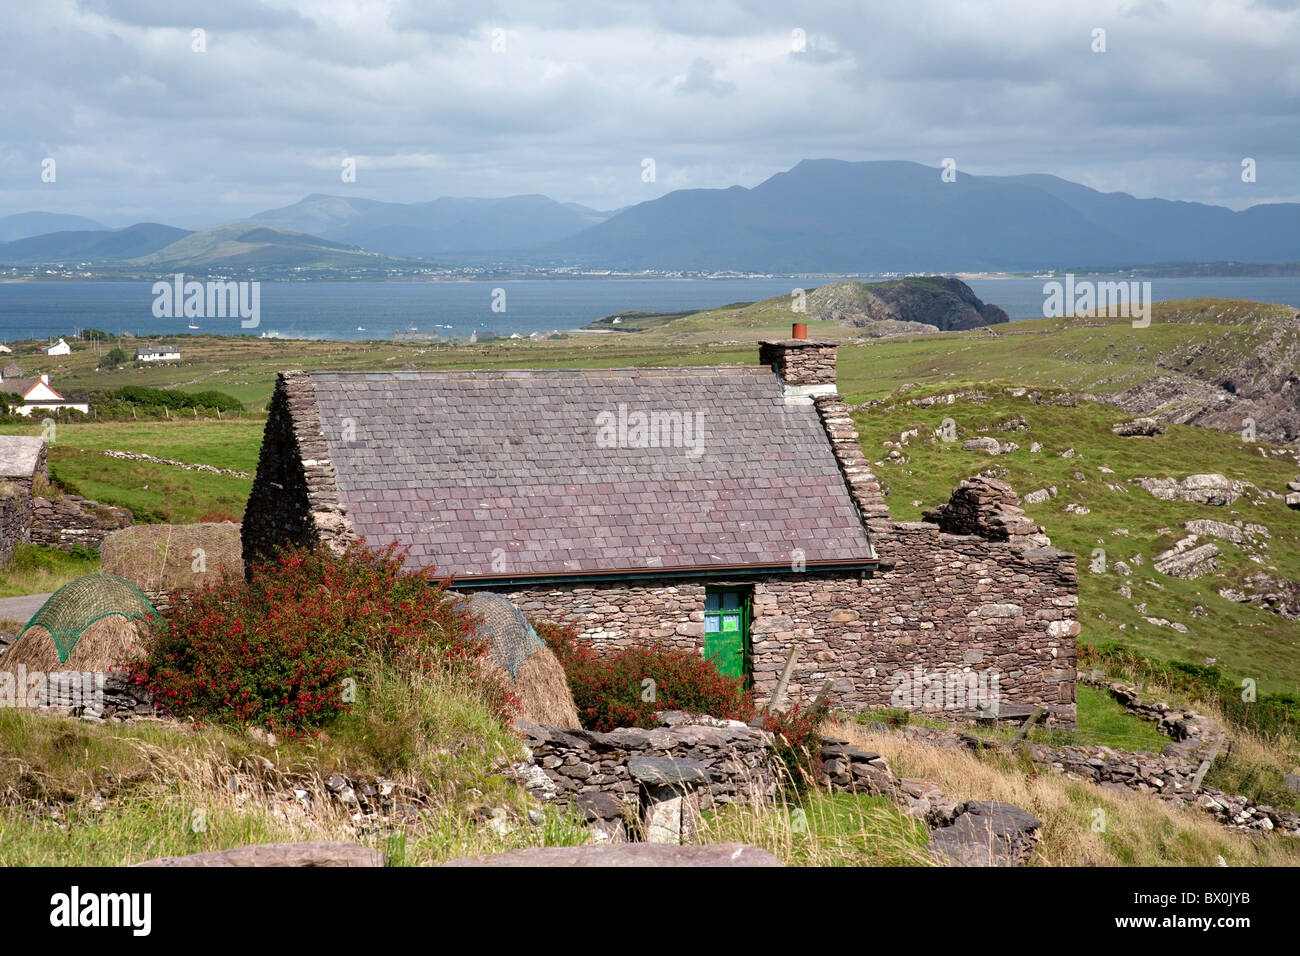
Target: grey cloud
point(702, 77)
point(144, 129)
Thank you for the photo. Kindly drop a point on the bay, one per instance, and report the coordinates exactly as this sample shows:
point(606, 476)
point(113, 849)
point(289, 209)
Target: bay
point(335, 310)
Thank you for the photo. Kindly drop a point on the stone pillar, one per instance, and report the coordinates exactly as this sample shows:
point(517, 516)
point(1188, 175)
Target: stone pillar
point(670, 808)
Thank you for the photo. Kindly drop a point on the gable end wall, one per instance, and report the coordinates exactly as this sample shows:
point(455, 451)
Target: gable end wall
point(295, 497)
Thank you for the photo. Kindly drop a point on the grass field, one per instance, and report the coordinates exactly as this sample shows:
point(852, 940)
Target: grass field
point(38, 570)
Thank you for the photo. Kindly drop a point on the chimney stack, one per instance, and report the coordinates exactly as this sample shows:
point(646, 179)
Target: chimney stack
point(806, 367)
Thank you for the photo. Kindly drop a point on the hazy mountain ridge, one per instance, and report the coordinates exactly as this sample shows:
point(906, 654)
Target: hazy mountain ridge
point(835, 216)
point(23, 225)
point(437, 227)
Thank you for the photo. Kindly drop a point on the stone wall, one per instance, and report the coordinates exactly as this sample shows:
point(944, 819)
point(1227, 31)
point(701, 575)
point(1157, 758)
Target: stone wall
point(295, 497)
point(15, 520)
point(69, 521)
point(953, 606)
point(949, 604)
point(604, 775)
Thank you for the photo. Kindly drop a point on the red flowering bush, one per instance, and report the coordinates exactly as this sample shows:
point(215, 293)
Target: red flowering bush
point(611, 689)
point(798, 741)
point(274, 650)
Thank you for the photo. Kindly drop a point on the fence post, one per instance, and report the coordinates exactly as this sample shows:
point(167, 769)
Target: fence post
point(778, 695)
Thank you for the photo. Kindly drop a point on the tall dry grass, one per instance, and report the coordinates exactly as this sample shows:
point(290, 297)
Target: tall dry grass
point(1083, 824)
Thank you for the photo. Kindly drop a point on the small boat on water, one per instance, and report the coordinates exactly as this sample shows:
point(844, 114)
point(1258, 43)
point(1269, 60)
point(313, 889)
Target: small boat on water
point(361, 328)
point(193, 325)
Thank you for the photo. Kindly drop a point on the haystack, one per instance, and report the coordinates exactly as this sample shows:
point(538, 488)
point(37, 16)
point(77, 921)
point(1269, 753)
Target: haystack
point(523, 662)
point(105, 645)
point(161, 559)
point(95, 623)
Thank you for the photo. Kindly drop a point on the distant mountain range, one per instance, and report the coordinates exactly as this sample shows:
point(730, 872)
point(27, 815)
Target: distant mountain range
point(430, 229)
point(821, 216)
point(832, 216)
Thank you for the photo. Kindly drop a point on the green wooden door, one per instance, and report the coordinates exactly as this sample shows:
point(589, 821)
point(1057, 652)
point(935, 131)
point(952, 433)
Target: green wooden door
point(726, 632)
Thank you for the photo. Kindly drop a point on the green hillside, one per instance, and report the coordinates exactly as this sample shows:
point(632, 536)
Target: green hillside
point(243, 246)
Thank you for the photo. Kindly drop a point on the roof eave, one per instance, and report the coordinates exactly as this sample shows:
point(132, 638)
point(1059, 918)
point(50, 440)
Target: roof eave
point(866, 566)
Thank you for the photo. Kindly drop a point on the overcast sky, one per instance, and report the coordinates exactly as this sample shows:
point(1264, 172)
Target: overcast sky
point(487, 98)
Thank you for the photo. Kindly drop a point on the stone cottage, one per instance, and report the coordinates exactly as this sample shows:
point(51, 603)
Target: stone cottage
point(729, 510)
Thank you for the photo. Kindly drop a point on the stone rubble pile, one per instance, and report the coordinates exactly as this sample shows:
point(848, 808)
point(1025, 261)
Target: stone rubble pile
point(989, 508)
point(1138, 426)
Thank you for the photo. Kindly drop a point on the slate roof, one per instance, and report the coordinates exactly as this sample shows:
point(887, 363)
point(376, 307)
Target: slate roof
point(508, 473)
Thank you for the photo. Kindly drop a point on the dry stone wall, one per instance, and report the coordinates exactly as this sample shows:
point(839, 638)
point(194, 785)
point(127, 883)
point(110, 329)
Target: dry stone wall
point(608, 777)
point(15, 520)
point(71, 521)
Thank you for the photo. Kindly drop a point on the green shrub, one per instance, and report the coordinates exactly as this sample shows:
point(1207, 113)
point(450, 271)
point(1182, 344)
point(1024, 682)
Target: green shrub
point(112, 358)
point(173, 399)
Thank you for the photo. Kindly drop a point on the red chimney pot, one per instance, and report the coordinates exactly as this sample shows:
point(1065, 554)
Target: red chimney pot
point(800, 330)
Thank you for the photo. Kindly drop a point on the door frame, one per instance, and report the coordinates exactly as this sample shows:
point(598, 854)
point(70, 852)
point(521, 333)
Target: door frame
point(746, 609)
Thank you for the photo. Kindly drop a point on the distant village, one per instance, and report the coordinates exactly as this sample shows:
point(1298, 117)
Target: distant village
point(36, 393)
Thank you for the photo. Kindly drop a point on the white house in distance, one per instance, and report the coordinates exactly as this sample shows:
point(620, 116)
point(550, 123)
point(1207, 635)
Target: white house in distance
point(58, 348)
point(38, 394)
point(158, 353)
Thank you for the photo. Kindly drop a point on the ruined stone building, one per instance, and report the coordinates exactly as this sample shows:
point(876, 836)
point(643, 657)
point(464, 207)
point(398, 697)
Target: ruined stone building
point(729, 510)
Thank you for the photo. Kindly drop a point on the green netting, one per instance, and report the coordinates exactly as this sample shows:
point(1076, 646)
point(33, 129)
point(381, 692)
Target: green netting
point(511, 639)
point(77, 605)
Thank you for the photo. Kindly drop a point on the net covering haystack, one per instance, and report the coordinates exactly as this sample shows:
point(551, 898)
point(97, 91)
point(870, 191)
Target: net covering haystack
point(163, 558)
point(76, 609)
point(518, 654)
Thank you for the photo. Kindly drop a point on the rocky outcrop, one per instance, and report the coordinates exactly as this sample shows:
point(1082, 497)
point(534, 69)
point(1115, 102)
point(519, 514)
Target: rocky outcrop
point(1210, 489)
point(1187, 559)
point(944, 303)
point(1279, 595)
point(1225, 381)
